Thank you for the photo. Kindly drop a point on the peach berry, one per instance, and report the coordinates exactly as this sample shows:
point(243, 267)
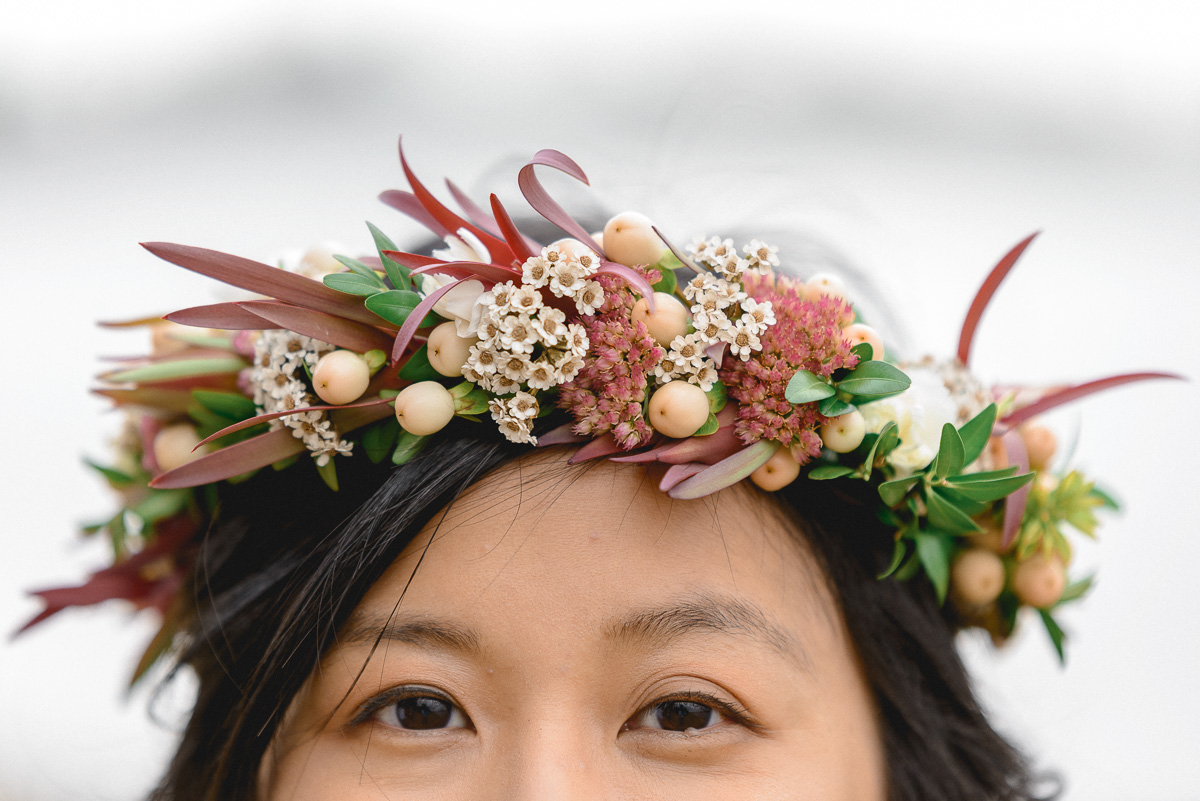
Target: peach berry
point(1039, 443)
point(845, 432)
point(175, 445)
point(977, 577)
point(668, 320)
point(779, 471)
point(859, 333)
point(447, 351)
point(1039, 580)
point(341, 377)
point(629, 239)
point(678, 409)
point(424, 408)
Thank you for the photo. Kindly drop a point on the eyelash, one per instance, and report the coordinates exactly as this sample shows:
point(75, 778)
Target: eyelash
point(730, 710)
point(373, 706)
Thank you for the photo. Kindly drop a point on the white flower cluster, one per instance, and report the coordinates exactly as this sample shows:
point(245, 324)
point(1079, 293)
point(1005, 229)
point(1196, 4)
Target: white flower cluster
point(281, 359)
point(722, 313)
point(525, 343)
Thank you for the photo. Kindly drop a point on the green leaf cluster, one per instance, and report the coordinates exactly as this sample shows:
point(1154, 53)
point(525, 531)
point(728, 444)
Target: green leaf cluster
point(846, 389)
point(367, 282)
point(1072, 501)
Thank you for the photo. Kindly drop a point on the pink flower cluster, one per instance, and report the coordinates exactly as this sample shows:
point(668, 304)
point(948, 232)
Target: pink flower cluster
point(807, 335)
point(608, 393)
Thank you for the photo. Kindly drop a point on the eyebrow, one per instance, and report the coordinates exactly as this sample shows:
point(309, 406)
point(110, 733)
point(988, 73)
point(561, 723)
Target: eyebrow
point(367, 629)
point(705, 613)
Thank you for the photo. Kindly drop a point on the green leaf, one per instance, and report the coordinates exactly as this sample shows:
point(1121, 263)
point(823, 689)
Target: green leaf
point(1076, 590)
point(944, 515)
point(805, 387)
point(357, 267)
point(397, 273)
point(932, 550)
point(884, 443)
point(989, 475)
point(710, 426)
point(115, 478)
point(834, 407)
point(892, 492)
point(160, 504)
point(474, 402)
point(379, 440)
point(1057, 637)
point(375, 359)
point(863, 351)
point(353, 284)
point(875, 380)
point(717, 397)
point(418, 368)
point(231, 405)
point(178, 368)
point(969, 506)
point(949, 459)
point(898, 552)
point(396, 304)
point(328, 473)
point(828, 471)
point(975, 433)
point(909, 569)
point(408, 446)
point(989, 490)
point(668, 282)
point(1106, 500)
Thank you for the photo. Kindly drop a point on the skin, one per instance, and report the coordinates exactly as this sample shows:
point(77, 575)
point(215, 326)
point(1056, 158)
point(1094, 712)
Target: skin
point(566, 611)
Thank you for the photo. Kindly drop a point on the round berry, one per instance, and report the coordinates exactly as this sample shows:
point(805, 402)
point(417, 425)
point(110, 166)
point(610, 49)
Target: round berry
point(341, 377)
point(629, 239)
point(845, 432)
point(859, 333)
point(991, 538)
point(175, 445)
point(1039, 581)
point(668, 320)
point(1040, 444)
point(424, 408)
point(779, 471)
point(823, 284)
point(678, 409)
point(447, 351)
point(977, 577)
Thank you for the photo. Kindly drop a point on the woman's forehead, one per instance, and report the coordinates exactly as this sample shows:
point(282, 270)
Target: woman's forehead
point(596, 548)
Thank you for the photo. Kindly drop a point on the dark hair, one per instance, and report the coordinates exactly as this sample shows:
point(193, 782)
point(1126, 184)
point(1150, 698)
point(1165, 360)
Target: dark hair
point(277, 576)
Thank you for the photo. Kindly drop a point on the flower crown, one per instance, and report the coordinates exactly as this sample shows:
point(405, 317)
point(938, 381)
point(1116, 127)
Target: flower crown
point(707, 360)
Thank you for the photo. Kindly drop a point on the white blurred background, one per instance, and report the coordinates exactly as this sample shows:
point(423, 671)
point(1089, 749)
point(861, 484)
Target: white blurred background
point(919, 140)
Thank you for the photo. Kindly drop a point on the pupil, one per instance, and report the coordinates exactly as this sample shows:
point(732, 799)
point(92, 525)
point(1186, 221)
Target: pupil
point(423, 713)
point(681, 715)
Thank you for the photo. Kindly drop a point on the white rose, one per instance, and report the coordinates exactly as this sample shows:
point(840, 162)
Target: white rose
point(459, 304)
point(919, 414)
point(464, 247)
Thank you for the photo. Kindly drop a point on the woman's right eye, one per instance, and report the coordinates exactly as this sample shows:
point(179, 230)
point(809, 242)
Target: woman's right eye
point(419, 712)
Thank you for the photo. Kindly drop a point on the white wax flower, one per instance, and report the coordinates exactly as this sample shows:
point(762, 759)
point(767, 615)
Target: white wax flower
point(919, 413)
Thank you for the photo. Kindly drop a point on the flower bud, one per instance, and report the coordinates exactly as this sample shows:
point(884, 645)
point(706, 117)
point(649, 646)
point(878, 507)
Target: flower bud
point(668, 320)
point(629, 239)
point(174, 446)
point(859, 333)
point(977, 577)
point(845, 432)
point(341, 377)
point(779, 471)
point(447, 351)
point(424, 408)
point(823, 284)
point(678, 409)
point(1039, 581)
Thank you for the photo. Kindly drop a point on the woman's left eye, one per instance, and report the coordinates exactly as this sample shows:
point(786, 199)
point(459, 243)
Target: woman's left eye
point(422, 713)
point(677, 715)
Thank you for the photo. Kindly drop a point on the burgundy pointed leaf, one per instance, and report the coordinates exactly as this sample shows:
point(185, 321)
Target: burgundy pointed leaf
point(984, 296)
point(413, 321)
point(241, 457)
point(636, 281)
point(250, 422)
point(1014, 504)
point(228, 316)
point(489, 274)
point(406, 203)
point(134, 323)
point(1069, 394)
point(540, 199)
point(678, 473)
point(514, 238)
point(448, 219)
point(472, 209)
point(337, 331)
point(562, 435)
point(726, 472)
point(603, 445)
point(707, 450)
point(679, 254)
point(644, 457)
point(264, 280)
point(347, 418)
point(411, 260)
point(172, 400)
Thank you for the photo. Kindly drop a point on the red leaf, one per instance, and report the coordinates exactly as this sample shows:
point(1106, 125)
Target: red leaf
point(678, 473)
point(726, 472)
point(473, 211)
point(337, 331)
point(603, 445)
point(707, 450)
point(250, 422)
point(636, 281)
point(487, 273)
point(1062, 396)
point(984, 296)
point(563, 435)
point(229, 316)
point(448, 219)
point(1014, 504)
point(411, 260)
point(514, 238)
point(413, 321)
point(264, 280)
point(241, 457)
point(407, 203)
point(540, 199)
